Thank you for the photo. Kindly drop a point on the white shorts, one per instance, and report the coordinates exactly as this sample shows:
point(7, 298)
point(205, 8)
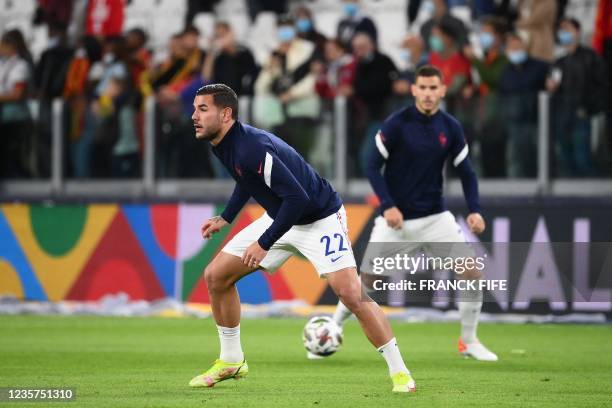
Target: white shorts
point(417, 235)
point(324, 243)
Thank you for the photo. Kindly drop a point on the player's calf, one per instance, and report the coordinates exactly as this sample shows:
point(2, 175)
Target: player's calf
point(376, 327)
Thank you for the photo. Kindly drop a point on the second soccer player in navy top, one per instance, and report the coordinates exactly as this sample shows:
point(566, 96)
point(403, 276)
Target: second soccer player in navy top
point(411, 149)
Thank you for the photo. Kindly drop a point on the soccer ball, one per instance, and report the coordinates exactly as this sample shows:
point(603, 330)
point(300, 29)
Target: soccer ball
point(322, 336)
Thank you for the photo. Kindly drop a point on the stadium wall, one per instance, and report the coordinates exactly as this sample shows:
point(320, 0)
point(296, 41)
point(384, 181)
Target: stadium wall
point(150, 251)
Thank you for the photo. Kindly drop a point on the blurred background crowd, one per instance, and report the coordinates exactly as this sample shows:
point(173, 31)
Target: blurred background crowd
point(104, 59)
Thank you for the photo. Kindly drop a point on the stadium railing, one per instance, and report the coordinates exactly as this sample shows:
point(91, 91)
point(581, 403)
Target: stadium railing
point(150, 185)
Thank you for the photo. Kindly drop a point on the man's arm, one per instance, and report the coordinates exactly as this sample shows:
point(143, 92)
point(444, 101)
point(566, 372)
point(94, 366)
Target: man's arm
point(234, 205)
point(294, 200)
point(378, 156)
point(469, 182)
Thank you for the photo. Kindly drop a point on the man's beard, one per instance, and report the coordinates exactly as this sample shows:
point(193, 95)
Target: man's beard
point(433, 107)
point(210, 135)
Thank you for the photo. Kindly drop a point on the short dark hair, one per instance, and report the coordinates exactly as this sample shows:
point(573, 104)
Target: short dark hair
point(223, 24)
point(140, 33)
point(223, 97)
point(573, 22)
point(191, 29)
point(514, 35)
point(499, 24)
point(285, 19)
point(428, 71)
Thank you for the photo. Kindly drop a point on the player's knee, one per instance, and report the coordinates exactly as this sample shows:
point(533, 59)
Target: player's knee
point(214, 279)
point(351, 297)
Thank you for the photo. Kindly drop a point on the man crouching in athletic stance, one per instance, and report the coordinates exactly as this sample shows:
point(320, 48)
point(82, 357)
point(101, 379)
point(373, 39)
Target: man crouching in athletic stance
point(303, 214)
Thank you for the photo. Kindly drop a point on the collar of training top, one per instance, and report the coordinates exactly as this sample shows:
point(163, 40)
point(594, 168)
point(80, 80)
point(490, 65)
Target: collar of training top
point(421, 117)
point(229, 136)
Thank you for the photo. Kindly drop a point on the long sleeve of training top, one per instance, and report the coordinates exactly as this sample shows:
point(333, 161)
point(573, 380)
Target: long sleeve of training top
point(234, 205)
point(293, 202)
point(461, 161)
point(378, 155)
point(469, 183)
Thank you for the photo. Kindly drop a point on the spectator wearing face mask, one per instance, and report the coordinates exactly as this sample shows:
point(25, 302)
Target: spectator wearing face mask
point(336, 74)
point(371, 91)
point(579, 85)
point(413, 56)
point(446, 56)
point(355, 22)
point(519, 84)
point(305, 28)
point(488, 128)
point(229, 62)
point(442, 17)
point(537, 22)
point(287, 85)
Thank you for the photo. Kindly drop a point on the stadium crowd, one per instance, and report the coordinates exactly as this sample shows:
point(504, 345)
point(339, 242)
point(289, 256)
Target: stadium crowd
point(495, 58)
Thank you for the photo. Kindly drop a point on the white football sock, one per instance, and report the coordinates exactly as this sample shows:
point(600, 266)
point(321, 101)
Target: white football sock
point(341, 314)
point(231, 350)
point(469, 310)
point(393, 357)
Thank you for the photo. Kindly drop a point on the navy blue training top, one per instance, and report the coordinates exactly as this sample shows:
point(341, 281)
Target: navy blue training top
point(277, 177)
point(413, 147)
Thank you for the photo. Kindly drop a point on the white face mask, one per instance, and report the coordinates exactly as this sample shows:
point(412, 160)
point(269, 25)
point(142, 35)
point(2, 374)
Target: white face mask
point(108, 58)
point(406, 54)
point(53, 42)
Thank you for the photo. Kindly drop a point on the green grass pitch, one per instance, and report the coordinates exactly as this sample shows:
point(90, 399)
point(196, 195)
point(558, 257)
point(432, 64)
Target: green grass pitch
point(147, 362)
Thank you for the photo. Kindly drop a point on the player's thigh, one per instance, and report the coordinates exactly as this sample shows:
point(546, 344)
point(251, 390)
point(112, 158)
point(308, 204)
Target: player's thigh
point(447, 240)
point(276, 256)
point(325, 243)
point(385, 242)
point(245, 237)
point(382, 232)
point(225, 269)
point(440, 227)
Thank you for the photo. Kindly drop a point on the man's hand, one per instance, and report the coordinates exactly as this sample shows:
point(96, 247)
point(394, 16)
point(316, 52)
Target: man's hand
point(394, 218)
point(285, 97)
point(476, 223)
point(212, 226)
point(253, 255)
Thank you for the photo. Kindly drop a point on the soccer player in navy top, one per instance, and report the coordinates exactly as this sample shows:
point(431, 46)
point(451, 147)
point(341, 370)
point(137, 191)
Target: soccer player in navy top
point(412, 146)
point(303, 214)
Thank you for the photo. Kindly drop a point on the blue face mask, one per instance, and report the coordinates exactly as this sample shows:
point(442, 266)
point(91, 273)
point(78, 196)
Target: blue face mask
point(303, 25)
point(351, 9)
point(565, 37)
point(286, 34)
point(517, 57)
point(486, 40)
point(429, 7)
point(436, 44)
point(406, 55)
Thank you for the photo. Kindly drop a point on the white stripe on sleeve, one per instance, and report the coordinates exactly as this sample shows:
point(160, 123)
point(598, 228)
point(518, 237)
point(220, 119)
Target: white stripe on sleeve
point(268, 170)
point(381, 146)
point(461, 156)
